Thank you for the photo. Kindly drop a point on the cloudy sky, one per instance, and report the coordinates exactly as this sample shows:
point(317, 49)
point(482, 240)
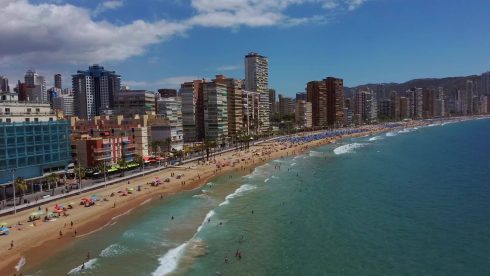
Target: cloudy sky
point(161, 43)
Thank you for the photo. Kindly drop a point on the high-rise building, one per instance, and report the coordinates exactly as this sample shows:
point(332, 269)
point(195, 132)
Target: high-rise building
point(171, 109)
point(36, 90)
point(215, 111)
point(365, 106)
point(384, 109)
point(303, 114)
point(286, 106)
point(335, 101)
point(272, 102)
point(95, 91)
point(439, 103)
point(58, 81)
point(485, 83)
point(4, 84)
point(167, 93)
point(65, 103)
point(470, 94)
point(257, 80)
point(404, 108)
point(428, 103)
point(301, 96)
point(395, 106)
point(34, 142)
point(131, 102)
point(192, 110)
point(234, 103)
point(316, 94)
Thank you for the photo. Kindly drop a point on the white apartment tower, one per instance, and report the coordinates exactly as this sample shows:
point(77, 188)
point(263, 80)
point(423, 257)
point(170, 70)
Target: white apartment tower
point(257, 80)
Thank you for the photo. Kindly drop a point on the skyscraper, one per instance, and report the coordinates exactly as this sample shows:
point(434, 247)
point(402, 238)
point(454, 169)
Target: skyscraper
point(335, 101)
point(257, 80)
point(4, 84)
point(58, 81)
point(303, 114)
point(36, 90)
point(485, 83)
point(316, 94)
point(272, 102)
point(234, 103)
point(215, 111)
point(95, 90)
point(192, 110)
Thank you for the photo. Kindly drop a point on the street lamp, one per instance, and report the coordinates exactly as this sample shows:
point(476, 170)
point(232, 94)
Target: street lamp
point(13, 186)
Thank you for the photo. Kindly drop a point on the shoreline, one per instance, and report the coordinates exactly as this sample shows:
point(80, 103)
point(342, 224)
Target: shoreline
point(38, 243)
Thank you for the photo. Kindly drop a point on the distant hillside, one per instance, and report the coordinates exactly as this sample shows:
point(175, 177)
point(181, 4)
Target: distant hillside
point(449, 84)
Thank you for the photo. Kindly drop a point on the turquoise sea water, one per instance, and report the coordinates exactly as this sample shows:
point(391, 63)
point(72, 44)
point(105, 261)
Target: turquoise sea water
point(415, 202)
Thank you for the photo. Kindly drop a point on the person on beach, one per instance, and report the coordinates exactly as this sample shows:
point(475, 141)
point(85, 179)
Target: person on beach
point(172, 217)
point(75, 234)
point(61, 234)
point(11, 245)
point(83, 266)
point(71, 224)
point(88, 255)
point(226, 259)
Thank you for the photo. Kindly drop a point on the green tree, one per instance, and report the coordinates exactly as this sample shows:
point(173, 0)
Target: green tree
point(20, 187)
point(123, 165)
point(138, 159)
point(52, 178)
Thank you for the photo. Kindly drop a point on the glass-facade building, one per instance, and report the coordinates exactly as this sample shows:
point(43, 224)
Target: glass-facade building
point(33, 149)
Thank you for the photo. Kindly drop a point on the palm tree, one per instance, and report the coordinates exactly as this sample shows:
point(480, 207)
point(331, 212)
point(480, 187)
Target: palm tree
point(138, 159)
point(123, 165)
point(52, 178)
point(102, 168)
point(20, 186)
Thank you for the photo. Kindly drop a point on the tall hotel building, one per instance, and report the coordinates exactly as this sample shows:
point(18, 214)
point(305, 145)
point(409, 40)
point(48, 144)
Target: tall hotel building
point(335, 101)
point(192, 110)
point(257, 80)
point(234, 103)
point(215, 111)
point(316, 94)
point(95, 91)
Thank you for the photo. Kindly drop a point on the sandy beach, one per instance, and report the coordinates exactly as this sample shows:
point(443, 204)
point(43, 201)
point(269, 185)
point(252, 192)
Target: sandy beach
point(37, 242)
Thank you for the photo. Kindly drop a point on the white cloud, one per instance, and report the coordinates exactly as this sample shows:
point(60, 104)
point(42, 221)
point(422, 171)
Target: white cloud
point(107, 5)
point(67, 34)
point(62, 33)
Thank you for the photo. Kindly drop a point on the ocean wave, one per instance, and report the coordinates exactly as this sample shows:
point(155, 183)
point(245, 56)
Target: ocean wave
point(123, 214)
point(113, 250)
point(145, 202)
point(293, 164)
point(266, 180)
point(238, 192)
point(347, 148)
point(170, 260)
point(201, 196)
point(88, 265)
point(375, 138)
point(20, 264)
point(316, 154)
point(391, 134)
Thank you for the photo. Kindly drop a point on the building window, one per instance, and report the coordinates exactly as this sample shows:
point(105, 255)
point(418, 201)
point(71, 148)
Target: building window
point(38, 110)
point(8, 120)
point(28, 119)
point(50, 119)
point(7, 110)
point(28, 111)
point(36, 119)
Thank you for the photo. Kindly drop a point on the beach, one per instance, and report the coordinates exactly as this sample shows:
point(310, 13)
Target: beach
point(38, 243)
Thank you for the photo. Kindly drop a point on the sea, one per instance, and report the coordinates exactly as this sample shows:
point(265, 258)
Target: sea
point(408, 202)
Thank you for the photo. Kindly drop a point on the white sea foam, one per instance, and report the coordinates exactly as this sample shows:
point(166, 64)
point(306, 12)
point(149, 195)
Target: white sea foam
point(88, 265)
point(170, 261)
point(123, 214)
point(391, 134)
point(347, 148)
point(209, 215)
point(275, 177)
point(20, 264)
point(316, 154)
point(375, 138)
point(266, 180)
point(293, 164)
point(145, 202)
point(200, 196)
point(113, 250)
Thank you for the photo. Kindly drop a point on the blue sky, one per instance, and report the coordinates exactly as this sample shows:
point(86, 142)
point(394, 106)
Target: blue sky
point(160, 43)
